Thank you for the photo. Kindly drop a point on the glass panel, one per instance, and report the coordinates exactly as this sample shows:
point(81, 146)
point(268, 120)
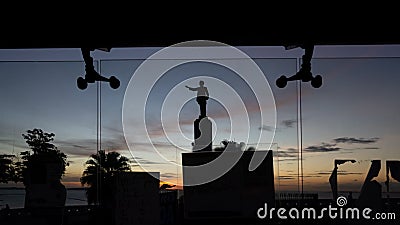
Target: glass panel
point(44, 95)
point(354, 115)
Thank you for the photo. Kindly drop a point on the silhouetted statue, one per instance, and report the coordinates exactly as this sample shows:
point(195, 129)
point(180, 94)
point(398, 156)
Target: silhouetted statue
point(333, 177)
point(371, 191)
point(394, 168)
point(202, 97)
point(202, 125)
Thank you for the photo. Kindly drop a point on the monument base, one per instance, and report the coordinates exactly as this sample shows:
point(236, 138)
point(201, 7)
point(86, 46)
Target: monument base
point(239, 193)
point(202, 135)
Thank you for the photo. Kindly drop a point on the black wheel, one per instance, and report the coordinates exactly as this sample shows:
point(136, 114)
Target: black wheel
point(316, 82)
point(281, 82)
point(114, 82)
point(82, 84)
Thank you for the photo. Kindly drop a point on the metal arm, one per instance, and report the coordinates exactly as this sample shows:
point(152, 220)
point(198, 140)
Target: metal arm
point(304, 74)
point(91, 74)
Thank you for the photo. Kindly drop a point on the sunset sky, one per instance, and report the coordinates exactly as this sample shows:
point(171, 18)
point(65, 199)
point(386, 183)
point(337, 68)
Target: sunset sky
point(354, 115)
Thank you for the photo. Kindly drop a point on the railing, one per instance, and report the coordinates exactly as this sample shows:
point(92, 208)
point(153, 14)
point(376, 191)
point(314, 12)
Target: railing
point(23, 212)
point(296, 196)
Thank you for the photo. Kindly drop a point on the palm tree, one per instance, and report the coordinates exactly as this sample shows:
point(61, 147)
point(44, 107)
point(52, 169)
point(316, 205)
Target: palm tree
point(103, 166)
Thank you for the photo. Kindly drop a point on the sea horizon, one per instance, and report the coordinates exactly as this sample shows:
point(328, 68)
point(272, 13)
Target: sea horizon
point(15, 196)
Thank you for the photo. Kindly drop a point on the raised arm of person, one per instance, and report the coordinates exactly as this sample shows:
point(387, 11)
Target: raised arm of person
point(190, 88)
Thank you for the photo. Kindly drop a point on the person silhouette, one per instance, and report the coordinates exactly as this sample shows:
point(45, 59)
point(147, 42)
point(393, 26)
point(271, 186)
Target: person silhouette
point(202, 97)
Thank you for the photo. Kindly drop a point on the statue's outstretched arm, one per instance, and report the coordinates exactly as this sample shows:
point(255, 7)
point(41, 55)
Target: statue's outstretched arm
point(190, 88)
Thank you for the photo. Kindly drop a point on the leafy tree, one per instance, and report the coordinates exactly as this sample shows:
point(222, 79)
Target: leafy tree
point(100, 169)
point(18, 169)
point(6, 168)
point(223, 147)
point(43, 151)
point(232, 145)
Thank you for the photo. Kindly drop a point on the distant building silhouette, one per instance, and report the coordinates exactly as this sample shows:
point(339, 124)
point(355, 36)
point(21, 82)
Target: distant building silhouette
point(134, 198)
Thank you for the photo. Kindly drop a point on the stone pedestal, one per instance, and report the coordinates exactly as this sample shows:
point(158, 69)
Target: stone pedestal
point(202, 135)
point(237, 194)
point(43, 187)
